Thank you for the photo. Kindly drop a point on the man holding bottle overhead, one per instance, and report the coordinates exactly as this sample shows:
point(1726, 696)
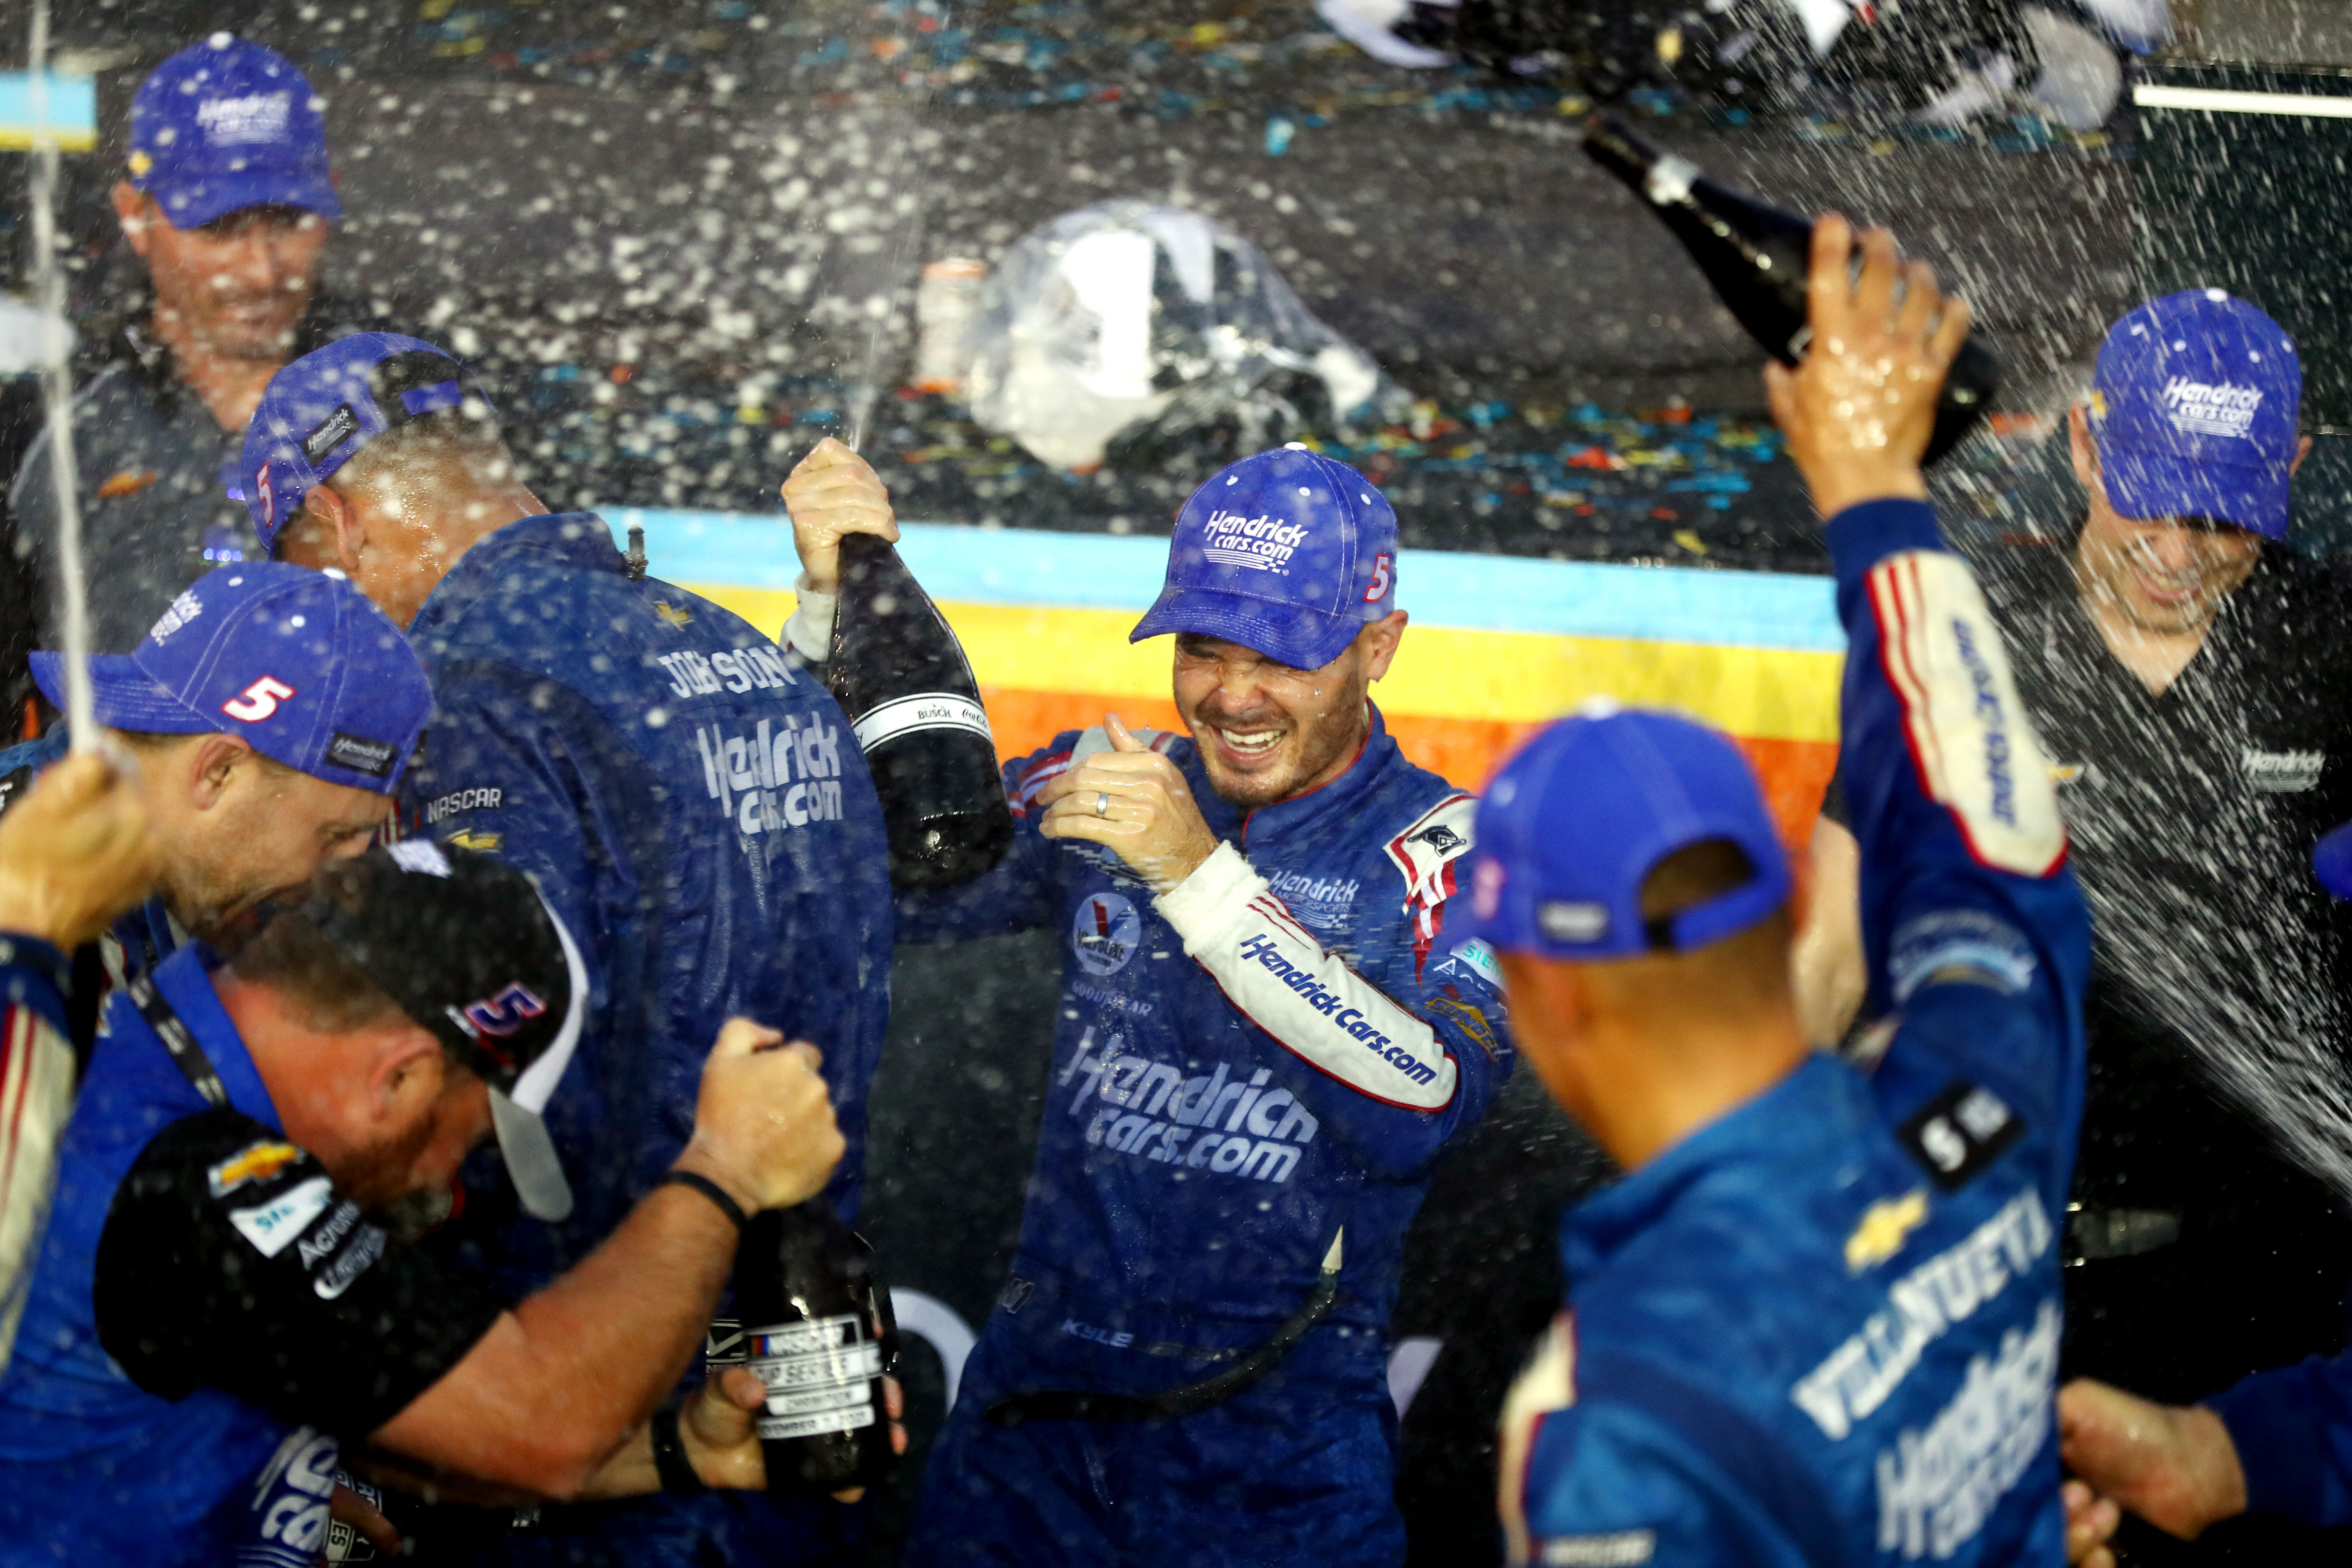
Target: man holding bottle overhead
point(1818, 1319)
point(693, 803)
point(1261, 1045)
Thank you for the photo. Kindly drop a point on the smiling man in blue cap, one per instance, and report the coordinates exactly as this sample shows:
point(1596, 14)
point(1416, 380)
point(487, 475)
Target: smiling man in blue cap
point(1818, 1319)
point(1261, 1047)
point(226, 206)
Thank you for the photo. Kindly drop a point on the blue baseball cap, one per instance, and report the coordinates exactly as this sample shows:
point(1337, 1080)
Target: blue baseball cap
point(295, 662)
point(227, 124)
point(1286, 552)
point(323, 410)
point(2195, 409)
point(1586, 810)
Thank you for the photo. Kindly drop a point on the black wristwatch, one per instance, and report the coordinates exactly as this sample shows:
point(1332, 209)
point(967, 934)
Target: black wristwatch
point(670, 1463)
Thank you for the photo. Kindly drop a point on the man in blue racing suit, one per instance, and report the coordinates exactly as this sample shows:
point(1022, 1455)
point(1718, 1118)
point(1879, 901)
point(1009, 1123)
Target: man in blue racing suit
point(1817, 1322)
point(689, 800)
point(1261, 1048)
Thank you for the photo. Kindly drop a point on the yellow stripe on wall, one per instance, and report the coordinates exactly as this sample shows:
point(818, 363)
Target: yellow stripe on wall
point(1513, 676)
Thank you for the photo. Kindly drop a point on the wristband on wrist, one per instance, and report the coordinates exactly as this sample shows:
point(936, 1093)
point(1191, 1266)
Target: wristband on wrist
point(670, 1463)
point(708, 1189)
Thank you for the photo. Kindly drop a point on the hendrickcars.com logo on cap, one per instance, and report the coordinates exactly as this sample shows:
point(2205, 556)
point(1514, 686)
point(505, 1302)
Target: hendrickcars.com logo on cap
point(1289, 552)
point(227, 124)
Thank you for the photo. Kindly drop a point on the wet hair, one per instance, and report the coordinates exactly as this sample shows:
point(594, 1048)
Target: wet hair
point(429, 446)
point(332, 995)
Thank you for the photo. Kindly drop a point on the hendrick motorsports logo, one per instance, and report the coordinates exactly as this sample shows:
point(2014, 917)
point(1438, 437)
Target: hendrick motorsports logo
point(1257, 543)
point(2209, 408)
point(1105, 934)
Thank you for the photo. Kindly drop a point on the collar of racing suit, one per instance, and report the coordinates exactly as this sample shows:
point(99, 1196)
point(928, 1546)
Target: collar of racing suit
point(579, 538)
point(1809, 1110)
point(1301, 815)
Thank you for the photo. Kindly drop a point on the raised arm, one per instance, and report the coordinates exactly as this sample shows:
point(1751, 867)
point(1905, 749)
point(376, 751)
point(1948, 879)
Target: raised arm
point(1964, 880)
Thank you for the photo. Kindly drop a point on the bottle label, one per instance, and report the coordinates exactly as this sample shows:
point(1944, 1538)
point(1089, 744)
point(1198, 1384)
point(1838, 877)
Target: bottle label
point(930, 710)
point(820, 1375)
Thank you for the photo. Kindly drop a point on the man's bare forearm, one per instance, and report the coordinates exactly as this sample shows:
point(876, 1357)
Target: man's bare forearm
point(559, 1385)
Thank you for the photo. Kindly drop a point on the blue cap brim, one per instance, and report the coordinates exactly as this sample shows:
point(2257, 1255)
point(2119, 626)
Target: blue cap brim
point(191, 202)
point(122, 695)
point(2142, 485)
point(1301, 638)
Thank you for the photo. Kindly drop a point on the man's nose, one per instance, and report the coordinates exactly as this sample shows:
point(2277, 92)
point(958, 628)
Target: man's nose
point(2173, 549)
point(251, 261)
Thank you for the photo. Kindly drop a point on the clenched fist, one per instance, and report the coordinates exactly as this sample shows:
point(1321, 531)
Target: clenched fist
point(834, 492)
point(75, 852)
point(763, 1126)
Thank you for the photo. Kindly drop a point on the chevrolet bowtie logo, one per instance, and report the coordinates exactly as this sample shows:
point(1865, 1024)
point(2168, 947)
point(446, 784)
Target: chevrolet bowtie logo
point(1885, 1225)
point(672, 614)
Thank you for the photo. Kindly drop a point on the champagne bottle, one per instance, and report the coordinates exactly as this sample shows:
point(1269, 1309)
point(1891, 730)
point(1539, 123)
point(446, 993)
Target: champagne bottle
point(1757, 256)
point(902, 678)
point(812, 1333)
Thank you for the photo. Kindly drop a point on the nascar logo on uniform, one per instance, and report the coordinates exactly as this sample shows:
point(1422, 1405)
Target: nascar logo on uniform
point(1104, 933)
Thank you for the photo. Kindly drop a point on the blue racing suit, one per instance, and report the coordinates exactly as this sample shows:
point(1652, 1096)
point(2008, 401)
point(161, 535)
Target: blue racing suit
point(1823, 1329)
point(697, 807)
point(1265, 1056)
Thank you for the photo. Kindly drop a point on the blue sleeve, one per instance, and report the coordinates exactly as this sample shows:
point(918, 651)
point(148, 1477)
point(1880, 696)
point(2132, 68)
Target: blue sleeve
point(1022, 890)
point(1972, 923)
point(500, 776)
point(1609, 1483)
point(2293, 1428)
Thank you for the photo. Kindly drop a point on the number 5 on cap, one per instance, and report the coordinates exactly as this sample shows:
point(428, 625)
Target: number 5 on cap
point(259, 702)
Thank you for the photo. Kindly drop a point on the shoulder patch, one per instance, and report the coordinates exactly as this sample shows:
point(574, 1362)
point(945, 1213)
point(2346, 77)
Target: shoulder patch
point(1618, 1548)
point(1965, 944)
point(1959, 1133)
point(273, 1225)
point(1968, 734)
point(1424, 854)
point(254, 1163)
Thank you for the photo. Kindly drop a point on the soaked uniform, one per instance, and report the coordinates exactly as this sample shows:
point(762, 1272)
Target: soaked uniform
point(1244, 1067)
point(1824, 1328)
point(697, 804)
point(2208, 1247)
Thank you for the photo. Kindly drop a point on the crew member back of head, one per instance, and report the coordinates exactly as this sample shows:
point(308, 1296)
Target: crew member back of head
point(1817, 1319)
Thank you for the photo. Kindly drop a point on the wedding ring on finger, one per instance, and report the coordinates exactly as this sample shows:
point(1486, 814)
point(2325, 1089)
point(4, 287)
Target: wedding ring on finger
point(1102, 802)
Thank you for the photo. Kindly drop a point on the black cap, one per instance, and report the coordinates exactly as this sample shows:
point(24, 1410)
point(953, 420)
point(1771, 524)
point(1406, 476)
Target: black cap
point(468, 949)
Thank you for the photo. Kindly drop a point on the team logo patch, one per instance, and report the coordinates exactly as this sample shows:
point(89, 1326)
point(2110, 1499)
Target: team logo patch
point(331, 433)
point(1105, 932)
point(129, 482)
point(359, 755)
point(272, 1226)
point(184, 609)
point(480, 843)
point(2284, 773)
point(1959, 1133)
point(254, 1163)
point(2211, 408)
point(1263, 543)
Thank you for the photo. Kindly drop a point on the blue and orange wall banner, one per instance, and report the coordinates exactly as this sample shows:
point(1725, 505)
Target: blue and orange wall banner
point(1497, 645)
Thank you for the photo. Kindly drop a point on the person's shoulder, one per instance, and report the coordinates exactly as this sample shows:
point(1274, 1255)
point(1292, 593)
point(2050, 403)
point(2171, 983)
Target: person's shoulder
point(210, 1169)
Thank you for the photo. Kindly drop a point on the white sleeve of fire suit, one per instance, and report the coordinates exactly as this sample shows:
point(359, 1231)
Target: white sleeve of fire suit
point(1307, 999)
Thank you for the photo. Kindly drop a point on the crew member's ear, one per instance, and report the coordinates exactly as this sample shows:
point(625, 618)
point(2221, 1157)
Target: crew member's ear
point(334, 532)
point(1379, 641)
point(134, 208)
point(212, 763)
point(2086, 456)
point(408, 1076)
point(2301, 450)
